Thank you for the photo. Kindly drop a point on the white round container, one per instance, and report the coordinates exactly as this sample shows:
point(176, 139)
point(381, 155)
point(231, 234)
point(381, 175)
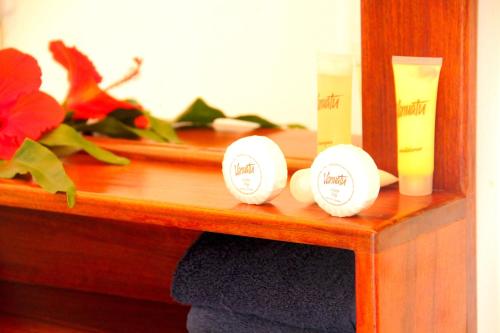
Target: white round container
point(344, 180)
point(254, 169)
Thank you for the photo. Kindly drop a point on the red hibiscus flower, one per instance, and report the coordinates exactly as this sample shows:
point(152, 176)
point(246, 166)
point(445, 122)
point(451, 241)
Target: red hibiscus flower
point(85, 98)
point(25, 112)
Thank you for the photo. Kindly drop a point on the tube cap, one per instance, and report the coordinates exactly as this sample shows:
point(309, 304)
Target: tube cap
point(415, 185)
point(344, 180)
point(300, 186)
point(254, 169)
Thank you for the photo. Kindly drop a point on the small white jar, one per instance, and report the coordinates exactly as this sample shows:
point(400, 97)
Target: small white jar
point(254, 169)
point(344, 180)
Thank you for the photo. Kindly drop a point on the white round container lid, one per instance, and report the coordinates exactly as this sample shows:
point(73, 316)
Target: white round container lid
point(254, 169)
point(344, 180)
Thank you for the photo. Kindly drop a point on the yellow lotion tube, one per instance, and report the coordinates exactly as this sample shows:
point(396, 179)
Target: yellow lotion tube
point(334, 100)
point(416, 82)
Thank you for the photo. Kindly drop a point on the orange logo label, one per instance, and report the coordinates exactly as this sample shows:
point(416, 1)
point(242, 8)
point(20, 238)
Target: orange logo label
point(416, 108)
point(329, 102)
point(337, 180)
point(247, 169)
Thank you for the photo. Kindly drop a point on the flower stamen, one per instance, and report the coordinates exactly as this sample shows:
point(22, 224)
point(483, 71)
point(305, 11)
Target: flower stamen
point(134, 72)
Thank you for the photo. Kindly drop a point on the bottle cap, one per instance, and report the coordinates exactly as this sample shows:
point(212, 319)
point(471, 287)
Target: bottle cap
point(344, 180)
point(300, 186)
point(415, 185)
point(254, 169)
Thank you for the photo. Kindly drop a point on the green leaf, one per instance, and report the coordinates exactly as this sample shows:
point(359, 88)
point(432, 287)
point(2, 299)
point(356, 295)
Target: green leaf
point(163, 128)
point(109, 127)
point(259, 120)
point(68, 117)
point(126, 116)
point(200, 114)
point(147, 134)
point(114, 128)
point(299, 126)
point(46, 169)
point(66, 136)
point(64, 151)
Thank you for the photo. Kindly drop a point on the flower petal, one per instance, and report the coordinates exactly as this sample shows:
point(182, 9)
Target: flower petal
point(98, 106)
point(8, 146)
point(81, 72)
point(31, 116)
point(19, 74)
point(85, 98)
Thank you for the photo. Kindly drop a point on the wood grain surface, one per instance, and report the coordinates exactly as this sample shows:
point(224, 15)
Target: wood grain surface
point(88, 254)
point(445, 29)
point(193, 196)
point(17, 324)
point(299, 146)
point(87, 312)
point(427, 29)
point(131, 225)
point(415, 256)
point(421, 284)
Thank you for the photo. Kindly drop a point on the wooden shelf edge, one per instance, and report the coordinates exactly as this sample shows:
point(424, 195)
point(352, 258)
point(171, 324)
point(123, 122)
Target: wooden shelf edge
point(269, 226)
point(154, 191)
point(393, 234)
point(180, 153)
point(212, 150)
point(279, 227)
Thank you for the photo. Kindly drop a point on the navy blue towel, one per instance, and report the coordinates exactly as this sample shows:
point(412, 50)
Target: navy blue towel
point(206, 320)
point(293, 284)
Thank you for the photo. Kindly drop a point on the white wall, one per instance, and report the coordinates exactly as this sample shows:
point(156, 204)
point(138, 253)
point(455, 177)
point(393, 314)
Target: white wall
point(488, 176)
point(243, 56)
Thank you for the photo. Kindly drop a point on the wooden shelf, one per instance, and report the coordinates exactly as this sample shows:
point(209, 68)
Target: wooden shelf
point(16, 324)
point(132, 224)
point(415, 257)
point(189, 193)
point(28, 308)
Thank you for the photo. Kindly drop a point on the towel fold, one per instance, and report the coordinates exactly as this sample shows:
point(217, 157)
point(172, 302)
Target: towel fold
point(293, 284)
point(207, 320)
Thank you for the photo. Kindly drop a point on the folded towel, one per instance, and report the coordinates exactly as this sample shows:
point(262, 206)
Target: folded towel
point(207, 320)
point(294, 284)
